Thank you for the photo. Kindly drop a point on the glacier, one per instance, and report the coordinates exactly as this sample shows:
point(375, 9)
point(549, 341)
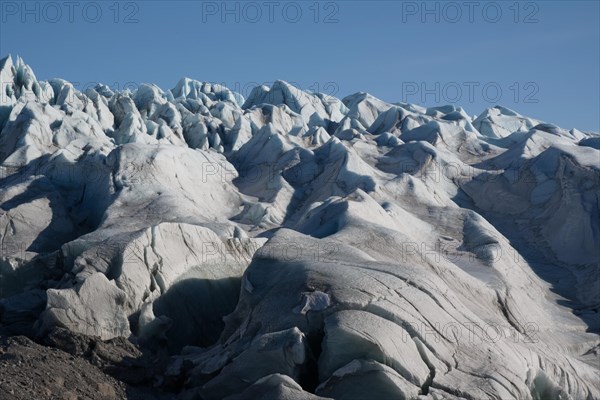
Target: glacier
point(293, 245)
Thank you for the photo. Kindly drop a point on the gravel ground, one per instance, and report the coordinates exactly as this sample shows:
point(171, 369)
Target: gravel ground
point(30, 371)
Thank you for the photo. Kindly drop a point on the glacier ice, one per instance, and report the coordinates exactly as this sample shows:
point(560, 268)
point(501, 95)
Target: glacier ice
point(294, 245)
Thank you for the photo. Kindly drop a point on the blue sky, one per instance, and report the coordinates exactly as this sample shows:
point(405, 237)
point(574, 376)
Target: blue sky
point(539, 58)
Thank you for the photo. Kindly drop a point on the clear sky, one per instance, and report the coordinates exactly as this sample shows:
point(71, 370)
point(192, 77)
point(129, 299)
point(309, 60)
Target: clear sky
point(540, 58)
